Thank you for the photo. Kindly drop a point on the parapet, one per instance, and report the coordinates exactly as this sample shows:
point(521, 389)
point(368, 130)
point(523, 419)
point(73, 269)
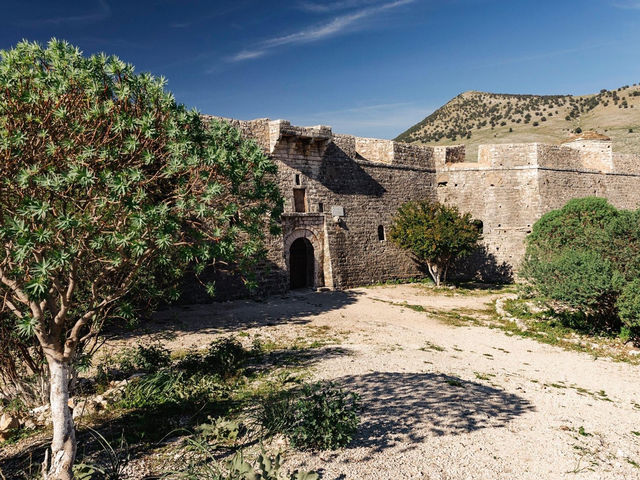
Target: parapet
point(283, 130)
point(595, 150)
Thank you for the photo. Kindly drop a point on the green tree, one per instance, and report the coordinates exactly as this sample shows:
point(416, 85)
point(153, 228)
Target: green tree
point(107, 186)
point(435, 234)
point(583, 255)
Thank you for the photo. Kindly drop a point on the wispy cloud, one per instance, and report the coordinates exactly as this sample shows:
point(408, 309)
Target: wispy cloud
point(628, 4)
point(101, 13)
point(318, 32)
point(334, 6)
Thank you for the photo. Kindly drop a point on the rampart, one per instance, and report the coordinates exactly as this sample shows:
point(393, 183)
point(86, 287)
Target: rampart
point(341, 193)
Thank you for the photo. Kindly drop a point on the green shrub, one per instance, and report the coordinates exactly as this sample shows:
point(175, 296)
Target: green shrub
point(581, 258)
point(145, 359)
point(318, 416)
point(436, 234)
point(224, 357)
point(151, 390)
point(276, 412)
point(325, 417)
point(629, 307)
point(167, 387)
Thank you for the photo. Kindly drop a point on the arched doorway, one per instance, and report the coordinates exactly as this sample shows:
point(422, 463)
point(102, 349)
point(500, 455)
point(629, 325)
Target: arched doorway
point(301, 271)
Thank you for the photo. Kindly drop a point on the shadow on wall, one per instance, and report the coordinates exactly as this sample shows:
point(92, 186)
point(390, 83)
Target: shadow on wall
point(271, 280)
point(342, 175)
point(483, 266)
point(409, 407)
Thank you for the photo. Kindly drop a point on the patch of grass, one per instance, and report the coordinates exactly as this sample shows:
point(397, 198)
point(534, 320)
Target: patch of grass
point(432, 346)
point(583, 432)
point(483, 376)
point(556, 385)
point(454, 383)
point(546, 326)
point(632, 462)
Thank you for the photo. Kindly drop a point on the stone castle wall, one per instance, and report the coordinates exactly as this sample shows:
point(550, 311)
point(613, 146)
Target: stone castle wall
point(353, 187)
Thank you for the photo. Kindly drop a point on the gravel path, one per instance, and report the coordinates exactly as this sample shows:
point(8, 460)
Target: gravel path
point(445, 402)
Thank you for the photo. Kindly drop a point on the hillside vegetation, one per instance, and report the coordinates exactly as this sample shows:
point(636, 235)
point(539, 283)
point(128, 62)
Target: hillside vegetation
point(475, 118)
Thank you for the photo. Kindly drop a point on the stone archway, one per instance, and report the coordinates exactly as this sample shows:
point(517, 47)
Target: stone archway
point(301, 264)
point(304, 256)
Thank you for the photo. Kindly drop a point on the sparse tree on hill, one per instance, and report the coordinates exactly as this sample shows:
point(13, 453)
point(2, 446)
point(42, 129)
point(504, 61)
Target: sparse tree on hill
point(435, 234)
point(110, 189)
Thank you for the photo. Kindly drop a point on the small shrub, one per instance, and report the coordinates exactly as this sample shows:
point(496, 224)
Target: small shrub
point(203, 464)
point(151, 390)
point(629, 308)
point(224, 357)
point(317, 416)
point(148, 359)
point(141, 359)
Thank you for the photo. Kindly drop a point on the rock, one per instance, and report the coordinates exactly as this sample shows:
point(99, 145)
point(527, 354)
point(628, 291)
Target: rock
point(41, 415)
point(29, 424)
point(8, 422)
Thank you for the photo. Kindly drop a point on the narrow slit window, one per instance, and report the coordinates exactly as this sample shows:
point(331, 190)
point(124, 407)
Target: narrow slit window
point(297, 179)
point(380, 232)
point(321, 207)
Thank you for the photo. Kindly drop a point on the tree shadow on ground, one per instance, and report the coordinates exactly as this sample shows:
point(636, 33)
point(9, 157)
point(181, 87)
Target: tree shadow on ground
point(407, 408)
point(294, 308)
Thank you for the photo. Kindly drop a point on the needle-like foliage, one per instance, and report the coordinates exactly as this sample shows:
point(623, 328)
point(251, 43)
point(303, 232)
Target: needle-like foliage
point(109, 187)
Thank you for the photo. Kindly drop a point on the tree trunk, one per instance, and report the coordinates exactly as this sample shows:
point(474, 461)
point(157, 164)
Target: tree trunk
point(63, 445)
point(435, 273)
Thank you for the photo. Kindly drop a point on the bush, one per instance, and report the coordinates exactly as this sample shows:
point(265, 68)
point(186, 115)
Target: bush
point(224, 357)
point(325, 417)
point(318, 416)
point(145, 359)
point(629, 307)
point(582, 257)
point(435, 234)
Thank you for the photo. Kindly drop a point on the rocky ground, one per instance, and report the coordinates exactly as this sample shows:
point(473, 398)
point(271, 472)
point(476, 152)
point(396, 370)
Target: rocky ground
point(442, 397)
point(444, 401)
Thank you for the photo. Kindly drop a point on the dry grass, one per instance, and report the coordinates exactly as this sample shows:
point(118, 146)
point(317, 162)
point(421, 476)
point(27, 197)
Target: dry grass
point(465, 112)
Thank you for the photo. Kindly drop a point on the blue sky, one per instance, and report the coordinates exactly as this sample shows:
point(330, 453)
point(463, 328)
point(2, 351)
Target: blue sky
point(366, 67)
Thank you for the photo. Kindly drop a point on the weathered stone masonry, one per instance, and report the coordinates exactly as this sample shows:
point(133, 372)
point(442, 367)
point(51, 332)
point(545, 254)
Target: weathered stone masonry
point(341, 193)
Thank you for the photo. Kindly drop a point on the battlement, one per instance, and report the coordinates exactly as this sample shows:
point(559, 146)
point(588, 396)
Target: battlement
point(587, 154)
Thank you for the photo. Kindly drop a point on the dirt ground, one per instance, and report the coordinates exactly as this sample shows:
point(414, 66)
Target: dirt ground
point(442, 401)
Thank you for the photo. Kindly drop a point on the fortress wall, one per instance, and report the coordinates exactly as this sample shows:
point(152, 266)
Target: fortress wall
point(626, 163)
point(374, 150)
point(418, 156)
point(623, 190)
point(507, 202)
point(508, 155)
point(369, 194)
point(594, 154)
point(559, 157)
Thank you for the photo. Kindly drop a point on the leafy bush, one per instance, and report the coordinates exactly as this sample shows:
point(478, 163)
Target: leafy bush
point(582, 257)
point(325, 417)
point(224, 357)
point(629, 307)
point(140, 359)
point(318, 416)
point(435, 234)
point(145, 359)
point(170, 388)
point(204, 465)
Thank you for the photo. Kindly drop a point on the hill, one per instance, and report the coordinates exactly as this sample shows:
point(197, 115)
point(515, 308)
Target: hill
point(475, 118)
